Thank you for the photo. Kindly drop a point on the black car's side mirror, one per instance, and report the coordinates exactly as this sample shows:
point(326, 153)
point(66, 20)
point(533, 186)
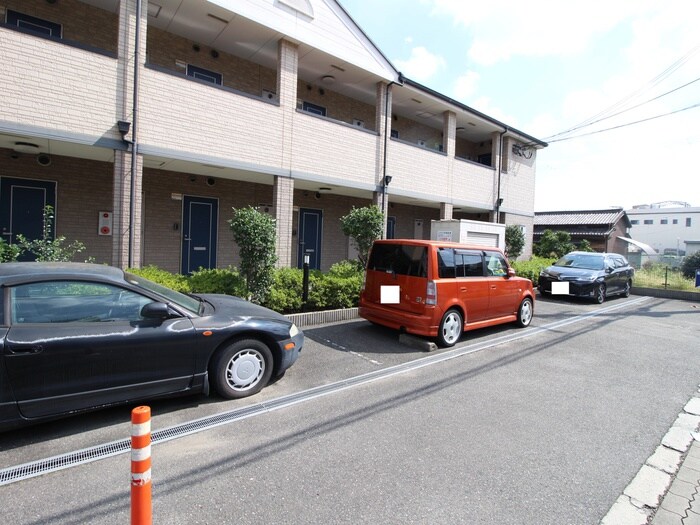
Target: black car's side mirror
point(155, 311)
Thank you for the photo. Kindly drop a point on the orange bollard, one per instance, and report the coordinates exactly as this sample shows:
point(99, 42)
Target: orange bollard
point(141, 466)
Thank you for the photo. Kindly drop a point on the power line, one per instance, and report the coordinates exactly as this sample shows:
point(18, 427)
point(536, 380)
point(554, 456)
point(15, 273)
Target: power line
point(626, 110)
point(602, 115)
point(628, 124)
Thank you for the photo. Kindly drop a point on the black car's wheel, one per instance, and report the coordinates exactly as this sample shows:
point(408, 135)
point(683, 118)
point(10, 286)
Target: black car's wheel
point(241, 369)
point(525, 313)
point(600, 294)
point(450, 329)
point(627, 289)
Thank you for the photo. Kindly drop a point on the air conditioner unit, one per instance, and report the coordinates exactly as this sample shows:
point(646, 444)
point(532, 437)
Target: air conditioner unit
point(268, 95)
point(359, 123)
point(265, 208)
point(421, 143)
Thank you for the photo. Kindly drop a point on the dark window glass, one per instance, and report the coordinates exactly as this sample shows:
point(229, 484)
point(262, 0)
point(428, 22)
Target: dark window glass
point(648, 221)
point(204, 74)
point(664, 221)
point(675, 221)
point(688, 222)
point(33, 24)
point(74, 302)
point(446, 263)
point(394, 133)
point(469, 264)
point(484, 159)
point(399, 259)
point(313, 108)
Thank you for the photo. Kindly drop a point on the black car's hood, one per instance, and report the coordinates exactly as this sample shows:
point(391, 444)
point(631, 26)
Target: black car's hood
point(572, 273)
point(230, 306)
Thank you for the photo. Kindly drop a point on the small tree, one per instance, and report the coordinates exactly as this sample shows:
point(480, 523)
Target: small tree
point(254, 232)
point(363, 226)
point(553, 244)
point(46, 248)
point(690, 264)
point(585, 246)
point(515, 241)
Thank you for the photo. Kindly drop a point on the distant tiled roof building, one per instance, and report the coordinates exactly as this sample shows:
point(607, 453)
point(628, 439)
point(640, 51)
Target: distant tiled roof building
point(599, 227)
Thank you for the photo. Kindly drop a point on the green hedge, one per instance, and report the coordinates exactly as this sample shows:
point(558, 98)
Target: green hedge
point(339, 288)
point(531, 268)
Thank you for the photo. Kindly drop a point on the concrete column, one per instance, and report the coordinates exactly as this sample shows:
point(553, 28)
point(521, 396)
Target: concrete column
point(446, 211)
point(383, 127)
point(449, 133)
point(283, 201)
point(122, 210)
point(128, 215)
point(287, 74)
point(283, 188)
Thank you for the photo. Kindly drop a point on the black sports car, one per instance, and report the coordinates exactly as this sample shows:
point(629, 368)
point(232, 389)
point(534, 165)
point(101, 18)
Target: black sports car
point(587, 274)
point(76, 337)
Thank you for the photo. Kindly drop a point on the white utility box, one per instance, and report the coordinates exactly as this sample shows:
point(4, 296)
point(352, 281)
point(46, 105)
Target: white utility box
point(469, 232)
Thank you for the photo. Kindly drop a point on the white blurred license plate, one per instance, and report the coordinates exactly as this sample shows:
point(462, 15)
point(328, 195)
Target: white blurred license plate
point(560, 288)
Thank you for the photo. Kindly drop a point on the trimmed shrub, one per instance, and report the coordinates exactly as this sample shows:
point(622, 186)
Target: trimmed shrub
point(177, 281)
point(531, 268)
point(690, 264)
point(286, 291)
point(218, 280)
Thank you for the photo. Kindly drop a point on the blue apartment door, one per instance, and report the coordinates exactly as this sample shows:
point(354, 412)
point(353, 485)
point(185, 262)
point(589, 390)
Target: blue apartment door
point(199, 233)
point(310, 231)
point(22, 203)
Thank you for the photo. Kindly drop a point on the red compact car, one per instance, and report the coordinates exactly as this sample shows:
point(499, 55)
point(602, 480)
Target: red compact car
point(440, 289)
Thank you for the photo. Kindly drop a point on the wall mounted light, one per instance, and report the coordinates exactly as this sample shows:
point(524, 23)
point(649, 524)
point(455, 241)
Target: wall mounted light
point(328, 80)
point(387, 180)
point(123, 126)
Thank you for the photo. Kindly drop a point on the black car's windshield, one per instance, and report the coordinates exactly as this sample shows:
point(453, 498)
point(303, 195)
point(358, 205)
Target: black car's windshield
point(584, 261)
point(189, 303)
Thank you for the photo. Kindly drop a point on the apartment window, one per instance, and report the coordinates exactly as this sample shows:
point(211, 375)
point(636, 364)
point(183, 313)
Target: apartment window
point(33, 24)
point(664, 221)
point(484, 159)
point(688, 222)
point(204, 74)
point(633, 222)
point(648, 221)
point(675, 221)
point(314, 109)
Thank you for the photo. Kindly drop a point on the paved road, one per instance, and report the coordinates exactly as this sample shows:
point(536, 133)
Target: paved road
point(546, 425)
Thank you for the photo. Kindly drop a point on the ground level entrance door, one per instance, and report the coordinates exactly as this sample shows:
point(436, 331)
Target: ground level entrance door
point(310, 232)
point(200, 217)
point(22, 203)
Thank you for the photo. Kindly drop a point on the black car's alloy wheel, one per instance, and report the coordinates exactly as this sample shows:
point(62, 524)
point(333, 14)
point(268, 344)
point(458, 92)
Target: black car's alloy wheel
point(241, 369)
point(600, 294)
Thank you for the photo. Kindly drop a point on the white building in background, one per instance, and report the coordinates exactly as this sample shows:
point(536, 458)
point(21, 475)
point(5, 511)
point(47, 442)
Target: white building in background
point(669, 230)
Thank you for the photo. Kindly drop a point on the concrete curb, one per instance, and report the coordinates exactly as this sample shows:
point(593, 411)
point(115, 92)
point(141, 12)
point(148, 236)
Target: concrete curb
point(666, 294)
point(643, 497)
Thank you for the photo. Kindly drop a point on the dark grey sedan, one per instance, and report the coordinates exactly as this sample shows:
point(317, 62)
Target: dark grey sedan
point(76, 337)
point(587, 274)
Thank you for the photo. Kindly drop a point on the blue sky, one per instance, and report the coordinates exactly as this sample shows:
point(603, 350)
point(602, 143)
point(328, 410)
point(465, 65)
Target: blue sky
point(546, 66)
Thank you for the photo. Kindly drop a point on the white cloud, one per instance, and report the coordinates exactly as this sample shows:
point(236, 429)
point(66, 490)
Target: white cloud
point(466, 85)
point(510, 28)
point(422, 64)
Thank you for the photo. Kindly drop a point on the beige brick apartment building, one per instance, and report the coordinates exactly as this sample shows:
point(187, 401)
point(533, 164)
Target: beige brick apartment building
point(281, 104)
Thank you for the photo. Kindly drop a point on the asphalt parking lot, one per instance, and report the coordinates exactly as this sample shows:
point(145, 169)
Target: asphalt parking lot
point(540, 425)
